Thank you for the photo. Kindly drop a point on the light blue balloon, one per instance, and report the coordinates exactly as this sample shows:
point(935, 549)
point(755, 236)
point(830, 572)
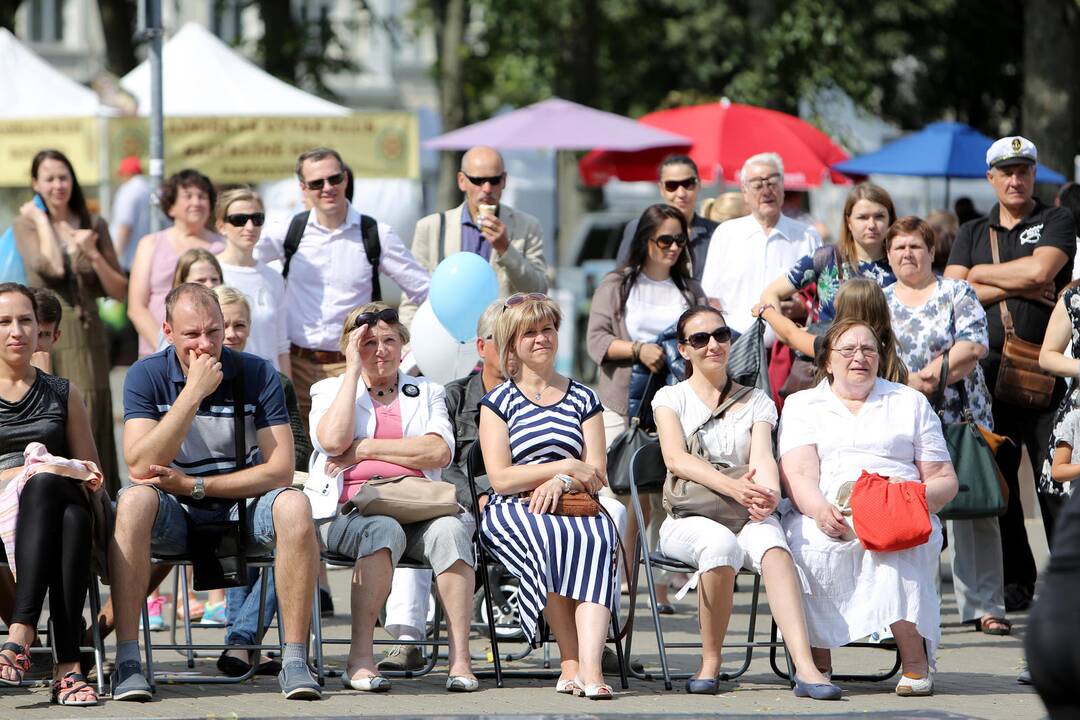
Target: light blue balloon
point(462, 287)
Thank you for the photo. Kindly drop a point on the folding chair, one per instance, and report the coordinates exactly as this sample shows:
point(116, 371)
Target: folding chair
point(189, 648)
point(475, 469)
point(647, 471)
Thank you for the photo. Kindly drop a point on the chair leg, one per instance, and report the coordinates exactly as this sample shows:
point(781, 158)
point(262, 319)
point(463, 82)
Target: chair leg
point(623, 660)
point(149, 646)
point(95, 634)
point(650, 583)
point(181, 580)
point(316, 629)
point(485, 584)
point(750, 633)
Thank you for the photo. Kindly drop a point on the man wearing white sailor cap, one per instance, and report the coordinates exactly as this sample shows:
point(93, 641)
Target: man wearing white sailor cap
point(1036, 245)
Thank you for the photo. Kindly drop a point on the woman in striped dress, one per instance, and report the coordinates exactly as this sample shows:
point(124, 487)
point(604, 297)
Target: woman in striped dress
point(543, 433)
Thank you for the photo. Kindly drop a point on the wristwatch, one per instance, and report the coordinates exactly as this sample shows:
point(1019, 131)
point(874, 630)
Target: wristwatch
point(567, 482)
point(199, 491)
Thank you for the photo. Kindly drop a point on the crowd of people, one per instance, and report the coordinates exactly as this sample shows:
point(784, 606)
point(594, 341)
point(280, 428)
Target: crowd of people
point(266, 348)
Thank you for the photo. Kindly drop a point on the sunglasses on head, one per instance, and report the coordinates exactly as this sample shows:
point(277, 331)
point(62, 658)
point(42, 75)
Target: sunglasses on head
point(699, 340)
point(336, 179)
point(666, 241)
point(672, 185)
point(523, 297)
point(388, 316)
point(241, 219)
point(495, 180)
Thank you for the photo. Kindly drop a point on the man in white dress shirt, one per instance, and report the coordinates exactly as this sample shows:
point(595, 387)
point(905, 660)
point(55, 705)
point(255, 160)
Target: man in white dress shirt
point(330, 273)
point(747, 253)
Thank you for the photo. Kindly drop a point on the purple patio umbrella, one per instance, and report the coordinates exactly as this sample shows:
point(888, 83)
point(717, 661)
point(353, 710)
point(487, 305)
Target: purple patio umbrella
point(557, 124)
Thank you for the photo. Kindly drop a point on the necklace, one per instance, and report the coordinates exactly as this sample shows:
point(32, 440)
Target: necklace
point(538, 393)
point(388, 391)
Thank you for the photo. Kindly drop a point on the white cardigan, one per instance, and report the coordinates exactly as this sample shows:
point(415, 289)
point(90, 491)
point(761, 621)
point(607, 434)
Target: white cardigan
point(423, 411)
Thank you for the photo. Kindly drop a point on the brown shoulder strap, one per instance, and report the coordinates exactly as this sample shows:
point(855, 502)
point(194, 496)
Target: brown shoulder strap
point(1006, 316)
point(736, 393)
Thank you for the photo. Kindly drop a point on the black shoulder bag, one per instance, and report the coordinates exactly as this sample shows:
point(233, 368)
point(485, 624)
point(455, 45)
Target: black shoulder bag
point(219, 550)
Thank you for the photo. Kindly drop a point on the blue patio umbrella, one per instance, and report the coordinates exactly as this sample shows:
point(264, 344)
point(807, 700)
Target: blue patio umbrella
point(941, 149)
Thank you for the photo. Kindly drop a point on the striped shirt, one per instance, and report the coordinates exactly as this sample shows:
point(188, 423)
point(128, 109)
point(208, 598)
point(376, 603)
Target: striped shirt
point(543, 433)
point(153, 384)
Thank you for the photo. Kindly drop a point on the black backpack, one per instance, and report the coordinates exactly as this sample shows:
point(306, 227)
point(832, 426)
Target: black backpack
point(368, 226)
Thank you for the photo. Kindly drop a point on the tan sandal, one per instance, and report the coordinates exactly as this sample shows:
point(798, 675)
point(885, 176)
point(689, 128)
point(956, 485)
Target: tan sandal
point(21, 663)
point(72, 689)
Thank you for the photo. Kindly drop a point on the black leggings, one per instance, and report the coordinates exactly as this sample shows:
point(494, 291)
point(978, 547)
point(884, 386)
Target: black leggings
point(52, 553)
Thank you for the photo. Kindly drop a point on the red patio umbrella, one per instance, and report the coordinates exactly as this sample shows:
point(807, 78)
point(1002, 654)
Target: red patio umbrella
point(725, 134)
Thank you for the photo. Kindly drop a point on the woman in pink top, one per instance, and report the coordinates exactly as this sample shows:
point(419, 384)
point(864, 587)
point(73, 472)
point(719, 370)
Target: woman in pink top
point(375, 420)
point(188, 198)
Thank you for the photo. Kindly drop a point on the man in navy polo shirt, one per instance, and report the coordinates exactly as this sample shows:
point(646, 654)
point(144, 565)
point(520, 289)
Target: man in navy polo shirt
point(179, 445)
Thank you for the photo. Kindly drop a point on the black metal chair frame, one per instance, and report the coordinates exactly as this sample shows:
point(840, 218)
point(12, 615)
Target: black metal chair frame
point(647, 469)
point(475, 469)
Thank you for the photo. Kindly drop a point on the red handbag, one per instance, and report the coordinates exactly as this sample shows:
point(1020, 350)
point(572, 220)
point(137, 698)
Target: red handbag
point(889, 516)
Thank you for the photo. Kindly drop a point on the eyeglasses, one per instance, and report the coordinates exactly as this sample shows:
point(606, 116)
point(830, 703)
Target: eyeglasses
point(336, 179)
point(519, 298)
point(494, 180)
point(666, 241)
point(699, 340)
point(849, 351)
point(672, 185)
point(388, 316)
point(241, 219)
point(773, 181)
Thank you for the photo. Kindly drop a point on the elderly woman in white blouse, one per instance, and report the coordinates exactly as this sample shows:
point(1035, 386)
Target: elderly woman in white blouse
point(854, 420)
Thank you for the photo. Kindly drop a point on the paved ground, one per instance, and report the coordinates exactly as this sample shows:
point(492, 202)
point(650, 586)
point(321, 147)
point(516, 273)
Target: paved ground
point(976, 679)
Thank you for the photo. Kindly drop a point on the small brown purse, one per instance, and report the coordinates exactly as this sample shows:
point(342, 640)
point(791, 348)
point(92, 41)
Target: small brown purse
point(575, 504)
point(1020, 380)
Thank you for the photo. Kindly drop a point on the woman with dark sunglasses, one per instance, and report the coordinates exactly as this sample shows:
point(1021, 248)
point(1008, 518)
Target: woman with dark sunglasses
point(240, 218)
point(742, 436)
point(632, 307)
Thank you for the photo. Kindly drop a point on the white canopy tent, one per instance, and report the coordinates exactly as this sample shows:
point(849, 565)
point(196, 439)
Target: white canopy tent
point(202, 76)
point(34, 89)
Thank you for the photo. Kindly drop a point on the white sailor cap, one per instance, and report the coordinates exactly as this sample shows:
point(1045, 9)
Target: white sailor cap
point(1010, 151)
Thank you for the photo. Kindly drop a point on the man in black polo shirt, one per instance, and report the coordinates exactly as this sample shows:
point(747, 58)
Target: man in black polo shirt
point(679, 186)
point(1037, 244)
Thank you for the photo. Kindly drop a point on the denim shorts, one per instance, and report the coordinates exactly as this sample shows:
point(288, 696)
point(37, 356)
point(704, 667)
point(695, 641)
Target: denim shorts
point(169, 535)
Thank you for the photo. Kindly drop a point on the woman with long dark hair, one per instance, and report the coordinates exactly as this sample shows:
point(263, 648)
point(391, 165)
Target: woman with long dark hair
point(633, 305)
point(67, 250)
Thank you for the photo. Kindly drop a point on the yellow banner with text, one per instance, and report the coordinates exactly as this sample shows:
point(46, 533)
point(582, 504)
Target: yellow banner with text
point(77, 138)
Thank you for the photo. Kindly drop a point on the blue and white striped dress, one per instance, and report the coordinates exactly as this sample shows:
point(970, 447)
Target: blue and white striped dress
point(571, 556)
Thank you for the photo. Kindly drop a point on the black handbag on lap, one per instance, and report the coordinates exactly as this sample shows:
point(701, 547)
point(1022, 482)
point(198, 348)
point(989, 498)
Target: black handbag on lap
point(219, 550)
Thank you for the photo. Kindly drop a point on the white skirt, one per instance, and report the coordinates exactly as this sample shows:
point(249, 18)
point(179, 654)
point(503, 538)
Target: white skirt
point(853, 592)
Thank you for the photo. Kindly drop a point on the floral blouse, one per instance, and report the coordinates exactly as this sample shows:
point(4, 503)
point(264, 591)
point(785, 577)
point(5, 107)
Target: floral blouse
point(952, 314)
point(820, 267)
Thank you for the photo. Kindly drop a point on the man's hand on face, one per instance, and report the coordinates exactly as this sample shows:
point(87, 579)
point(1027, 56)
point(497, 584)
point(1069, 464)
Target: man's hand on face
point(204, 374)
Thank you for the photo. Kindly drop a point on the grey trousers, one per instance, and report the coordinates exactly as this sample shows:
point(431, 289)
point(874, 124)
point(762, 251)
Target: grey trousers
point(978, 572)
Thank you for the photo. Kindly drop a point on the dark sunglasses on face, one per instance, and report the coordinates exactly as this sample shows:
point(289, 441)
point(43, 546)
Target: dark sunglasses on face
point(318, 184)
point(699, 340)
point(241, 219)
point(523, 297)
point(494, 180)
point(666, 241)
point(388, 316)
point(672, 185)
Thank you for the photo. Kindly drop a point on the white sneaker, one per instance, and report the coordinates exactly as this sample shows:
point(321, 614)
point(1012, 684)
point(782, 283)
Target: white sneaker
point(911, 685)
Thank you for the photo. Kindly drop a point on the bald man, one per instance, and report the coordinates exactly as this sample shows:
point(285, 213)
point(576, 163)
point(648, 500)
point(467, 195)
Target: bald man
point(511, 240)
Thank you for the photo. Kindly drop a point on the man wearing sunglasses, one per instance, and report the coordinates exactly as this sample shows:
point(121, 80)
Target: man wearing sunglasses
point(679, 185)
point(332, 257)
point(747, 253)
point(511, 240)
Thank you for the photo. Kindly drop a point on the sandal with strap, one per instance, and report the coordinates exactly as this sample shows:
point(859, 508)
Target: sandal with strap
point(72, 690)
point(991, 625)
point(21, 663)
point(600, 691)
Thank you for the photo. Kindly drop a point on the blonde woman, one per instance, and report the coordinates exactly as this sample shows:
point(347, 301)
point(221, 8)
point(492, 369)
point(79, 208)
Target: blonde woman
point(240, 217)
point(542, 433)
